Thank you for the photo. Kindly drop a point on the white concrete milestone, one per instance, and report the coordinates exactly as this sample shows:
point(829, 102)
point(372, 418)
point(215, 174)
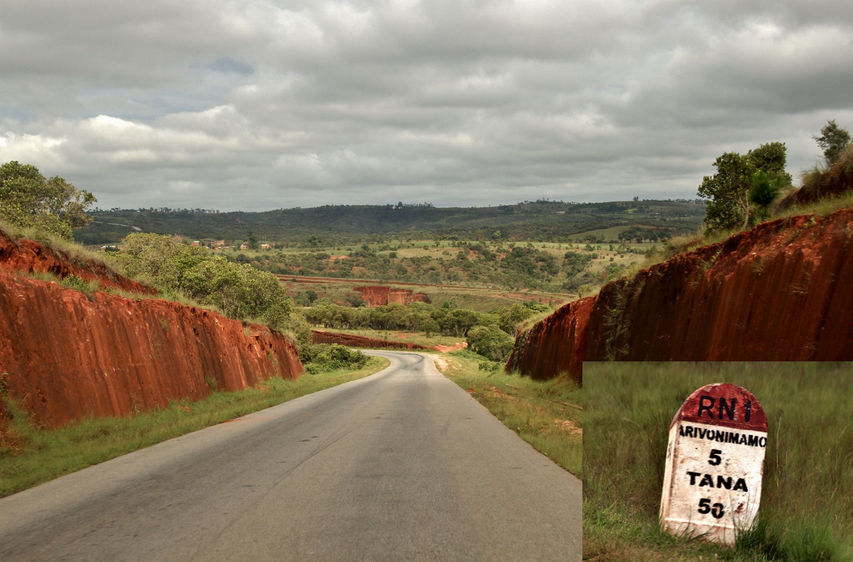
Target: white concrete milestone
point(714, 464)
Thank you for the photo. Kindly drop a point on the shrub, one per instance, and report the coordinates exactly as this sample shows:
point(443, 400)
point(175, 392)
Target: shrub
point(237, 290)
point(330, 357)
point(490, 342)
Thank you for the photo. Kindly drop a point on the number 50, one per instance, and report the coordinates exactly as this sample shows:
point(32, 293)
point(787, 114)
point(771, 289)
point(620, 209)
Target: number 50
point(715, 510)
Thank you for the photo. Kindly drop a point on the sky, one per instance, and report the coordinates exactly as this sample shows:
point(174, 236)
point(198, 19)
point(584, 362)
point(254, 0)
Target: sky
point(257, 105)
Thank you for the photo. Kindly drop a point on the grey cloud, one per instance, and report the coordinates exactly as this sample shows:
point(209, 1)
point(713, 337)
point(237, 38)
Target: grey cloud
point(255, 104)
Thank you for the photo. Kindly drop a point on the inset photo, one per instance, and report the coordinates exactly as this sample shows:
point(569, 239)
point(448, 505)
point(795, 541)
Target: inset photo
point(729, 460)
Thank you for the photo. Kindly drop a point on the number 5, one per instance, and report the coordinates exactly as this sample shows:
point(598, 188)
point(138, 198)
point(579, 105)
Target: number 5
point(704, 506)
point(715, 457)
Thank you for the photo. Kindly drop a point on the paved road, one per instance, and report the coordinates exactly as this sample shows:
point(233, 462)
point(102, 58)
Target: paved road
point(402, 465)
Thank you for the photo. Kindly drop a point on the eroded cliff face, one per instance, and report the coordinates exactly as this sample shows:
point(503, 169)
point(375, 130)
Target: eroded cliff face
point(65, 354)
point(380, 296)
point(782, 292)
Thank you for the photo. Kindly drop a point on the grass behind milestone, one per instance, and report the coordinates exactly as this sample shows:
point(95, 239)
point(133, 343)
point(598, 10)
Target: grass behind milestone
point(36, 455)
point(806, 510)
point(545, 414)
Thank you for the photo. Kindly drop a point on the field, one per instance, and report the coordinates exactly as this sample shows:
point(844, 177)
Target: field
point(473, 275)
point(806, 510)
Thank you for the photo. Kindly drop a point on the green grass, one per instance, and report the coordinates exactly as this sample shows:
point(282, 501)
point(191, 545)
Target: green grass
point(545, 414)
point(31, 455)
point(806, 510)
point(824, 207)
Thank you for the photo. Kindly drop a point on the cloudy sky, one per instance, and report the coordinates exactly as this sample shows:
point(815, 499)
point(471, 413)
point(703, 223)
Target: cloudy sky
point(256, 105)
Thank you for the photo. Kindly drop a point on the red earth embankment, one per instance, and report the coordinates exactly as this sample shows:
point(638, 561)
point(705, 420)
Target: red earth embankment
point(353, 340)
point(31, 257)
point(380, 296)
point(65, 355)
point(780, 292)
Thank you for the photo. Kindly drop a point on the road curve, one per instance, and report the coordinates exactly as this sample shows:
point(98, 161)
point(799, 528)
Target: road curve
point(401, 465)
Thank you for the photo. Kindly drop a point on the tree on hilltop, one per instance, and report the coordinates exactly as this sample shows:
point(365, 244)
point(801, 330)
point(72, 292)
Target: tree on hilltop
point(733, 199)
point(832, 140)
point(29, 200)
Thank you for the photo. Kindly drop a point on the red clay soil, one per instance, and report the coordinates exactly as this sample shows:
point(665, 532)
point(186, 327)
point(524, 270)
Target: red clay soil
point(380, 296)
point(65, 355)
point(31, 257)
point(780, 292)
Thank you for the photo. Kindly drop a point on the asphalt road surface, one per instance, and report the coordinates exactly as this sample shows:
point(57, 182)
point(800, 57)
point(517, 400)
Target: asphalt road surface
point(401, 465)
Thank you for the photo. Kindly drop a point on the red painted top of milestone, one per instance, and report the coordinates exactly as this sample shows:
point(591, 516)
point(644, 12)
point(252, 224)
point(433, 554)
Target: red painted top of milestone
point(723, 404)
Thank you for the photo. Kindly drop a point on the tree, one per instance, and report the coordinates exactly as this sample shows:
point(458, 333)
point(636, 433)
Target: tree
point(53, 205)
point(832, 140)
point(490, 342)
point(770, 158)
point(253, 241)
point(729, 189)
point(765, 188)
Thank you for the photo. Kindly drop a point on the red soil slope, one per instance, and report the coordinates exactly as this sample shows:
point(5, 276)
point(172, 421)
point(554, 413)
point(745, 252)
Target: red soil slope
point(380, 296)
point(31, 257)
point(352, 340)
point(782, 291)
point(65, 355)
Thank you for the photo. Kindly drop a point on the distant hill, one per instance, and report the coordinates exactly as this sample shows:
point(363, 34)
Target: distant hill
point(539, 220)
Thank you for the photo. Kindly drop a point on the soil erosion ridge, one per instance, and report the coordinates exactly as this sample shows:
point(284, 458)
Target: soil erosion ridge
point(65, 354)
point(779, 292)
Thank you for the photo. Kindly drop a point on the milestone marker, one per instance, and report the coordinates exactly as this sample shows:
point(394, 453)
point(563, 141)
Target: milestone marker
point(714, 464)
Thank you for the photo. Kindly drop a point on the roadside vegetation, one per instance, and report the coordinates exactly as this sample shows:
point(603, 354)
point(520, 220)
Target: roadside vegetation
point(806, 510)
point(545, 414)
point(238, 291)
point(30, 454)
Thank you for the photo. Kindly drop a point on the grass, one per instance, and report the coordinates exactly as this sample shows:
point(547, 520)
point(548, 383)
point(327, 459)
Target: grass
point(824, 207)
point(31, 455)
point(74, 252)
point(806, 510)
point(545, 414)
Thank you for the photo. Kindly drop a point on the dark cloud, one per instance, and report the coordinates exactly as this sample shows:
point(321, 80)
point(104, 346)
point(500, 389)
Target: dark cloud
point(253, 105)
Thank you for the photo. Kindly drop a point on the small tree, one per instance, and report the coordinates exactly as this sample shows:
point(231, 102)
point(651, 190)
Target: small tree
point(53, 205)
point(832, 140)
point(765, 188)
point(729, 189)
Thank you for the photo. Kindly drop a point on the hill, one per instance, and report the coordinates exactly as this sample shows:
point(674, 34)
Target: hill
point(537, 221)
